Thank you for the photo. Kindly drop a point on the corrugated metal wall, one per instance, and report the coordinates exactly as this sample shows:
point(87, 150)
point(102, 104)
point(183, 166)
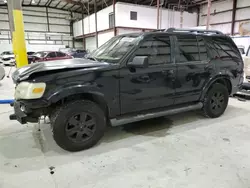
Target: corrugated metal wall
point(221, 15)
point(40, 29)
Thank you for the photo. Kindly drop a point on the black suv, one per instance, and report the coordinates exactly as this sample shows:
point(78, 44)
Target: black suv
point(131, 77)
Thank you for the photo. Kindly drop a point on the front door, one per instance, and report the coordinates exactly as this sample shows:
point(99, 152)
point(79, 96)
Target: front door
point(153, 86)
point(193, 68)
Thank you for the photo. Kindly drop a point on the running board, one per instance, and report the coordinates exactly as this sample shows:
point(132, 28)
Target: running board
point(150, 115)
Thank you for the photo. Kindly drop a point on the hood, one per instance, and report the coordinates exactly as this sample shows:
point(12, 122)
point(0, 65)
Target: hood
point(26, 71)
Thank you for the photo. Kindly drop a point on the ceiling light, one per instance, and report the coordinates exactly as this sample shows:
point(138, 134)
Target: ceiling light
point(5, 1)
point(33, 2)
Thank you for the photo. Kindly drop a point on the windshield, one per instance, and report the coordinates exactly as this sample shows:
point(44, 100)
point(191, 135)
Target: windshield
point(113, 50)
point(40, 54)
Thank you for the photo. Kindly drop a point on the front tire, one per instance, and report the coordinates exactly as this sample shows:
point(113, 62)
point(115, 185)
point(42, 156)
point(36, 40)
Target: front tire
point(78, 125)
point(215, 101)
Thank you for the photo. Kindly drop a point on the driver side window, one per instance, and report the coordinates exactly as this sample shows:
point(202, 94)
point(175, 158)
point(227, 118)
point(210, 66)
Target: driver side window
point(51, 55)
point(157, 49)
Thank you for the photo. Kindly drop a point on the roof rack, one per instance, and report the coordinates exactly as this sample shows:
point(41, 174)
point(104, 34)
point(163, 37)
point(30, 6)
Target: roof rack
point(159, 30)
point(193, 30)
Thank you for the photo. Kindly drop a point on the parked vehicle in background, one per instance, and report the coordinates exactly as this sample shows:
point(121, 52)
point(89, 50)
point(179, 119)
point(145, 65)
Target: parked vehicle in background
point(2, 72)
point(246, 59)
point(49, 56)
point(30, 53)
point(76, 53)
point(30, 56)
point(7, 58)
point(130, 78)
point(242, 50)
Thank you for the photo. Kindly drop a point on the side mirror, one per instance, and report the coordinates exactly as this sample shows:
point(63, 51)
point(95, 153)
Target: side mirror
point(139, 62)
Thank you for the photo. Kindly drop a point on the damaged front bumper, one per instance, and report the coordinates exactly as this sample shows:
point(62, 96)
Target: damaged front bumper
point(24, 112)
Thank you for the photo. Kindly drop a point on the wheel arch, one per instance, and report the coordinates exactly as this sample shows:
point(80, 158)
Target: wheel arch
point(222, 79)
point(80, 93)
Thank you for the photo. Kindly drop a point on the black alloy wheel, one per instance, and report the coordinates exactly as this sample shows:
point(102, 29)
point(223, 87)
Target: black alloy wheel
point(81, 127)
point(78, 125)
point(215, 101)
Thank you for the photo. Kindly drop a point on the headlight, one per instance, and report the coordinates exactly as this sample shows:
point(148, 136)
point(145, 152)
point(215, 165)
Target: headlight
point(26, 90)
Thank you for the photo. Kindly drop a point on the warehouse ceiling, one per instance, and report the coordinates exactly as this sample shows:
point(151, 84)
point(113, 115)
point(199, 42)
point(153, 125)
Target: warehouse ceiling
point(87, 6)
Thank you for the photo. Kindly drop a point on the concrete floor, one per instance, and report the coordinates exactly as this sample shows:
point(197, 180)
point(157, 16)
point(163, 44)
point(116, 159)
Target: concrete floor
point(185, 150)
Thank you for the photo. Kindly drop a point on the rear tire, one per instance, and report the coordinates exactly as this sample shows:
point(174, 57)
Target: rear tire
point(78, 125)
point(215, 101)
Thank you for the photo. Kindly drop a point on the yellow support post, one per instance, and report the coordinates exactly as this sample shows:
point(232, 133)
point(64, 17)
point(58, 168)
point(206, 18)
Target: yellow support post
point(17, 29)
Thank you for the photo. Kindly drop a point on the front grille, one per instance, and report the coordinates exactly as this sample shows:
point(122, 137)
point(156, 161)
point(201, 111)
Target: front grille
point(6, 59)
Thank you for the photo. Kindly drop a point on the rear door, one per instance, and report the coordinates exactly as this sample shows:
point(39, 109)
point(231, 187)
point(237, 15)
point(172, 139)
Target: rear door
point(51, 56)
point(193, 68)
point(60, 55)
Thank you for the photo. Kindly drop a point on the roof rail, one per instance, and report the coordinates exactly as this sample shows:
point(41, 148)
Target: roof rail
point(159, 30)
point(194, 30)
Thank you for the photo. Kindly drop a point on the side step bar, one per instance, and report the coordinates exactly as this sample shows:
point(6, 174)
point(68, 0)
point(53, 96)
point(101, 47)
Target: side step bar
point(150, 115)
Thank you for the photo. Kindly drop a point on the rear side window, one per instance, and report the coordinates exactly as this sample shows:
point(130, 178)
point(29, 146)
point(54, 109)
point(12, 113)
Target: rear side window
point(158, 50)
point(60, 54)
point(188, 48)
point(225, 48)
point(51, 54)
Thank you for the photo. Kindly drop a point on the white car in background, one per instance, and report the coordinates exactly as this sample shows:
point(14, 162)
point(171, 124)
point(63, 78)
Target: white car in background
point(7, 58)
point(246, 58)
point(2, 72)
point(242, 51)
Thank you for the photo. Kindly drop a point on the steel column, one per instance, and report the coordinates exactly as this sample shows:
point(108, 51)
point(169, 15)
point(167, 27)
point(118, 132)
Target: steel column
point(233, 16)
point(96, 32)
point(47, 16)
point(198, 16)
point(83, 39)
point(17, 31)
point(115, 32)
point(158, 14)
point(72, 30)
point(208, 13)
